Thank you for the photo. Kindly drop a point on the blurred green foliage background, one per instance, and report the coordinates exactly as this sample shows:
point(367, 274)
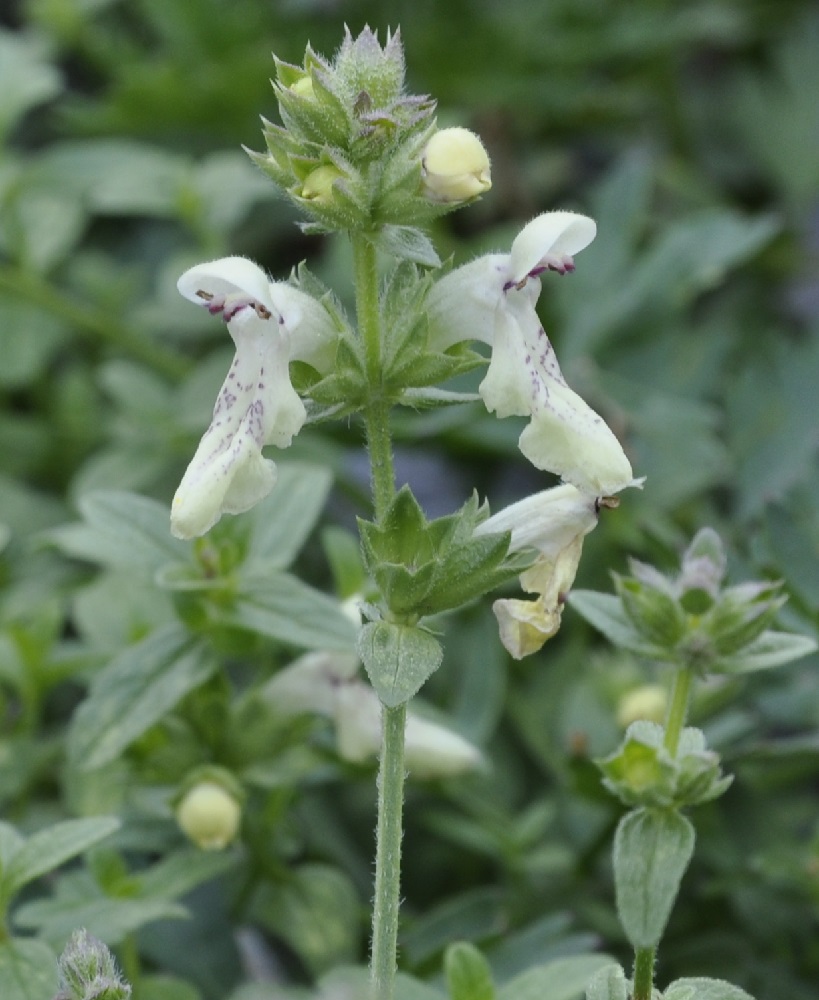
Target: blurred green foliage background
point(690, 131)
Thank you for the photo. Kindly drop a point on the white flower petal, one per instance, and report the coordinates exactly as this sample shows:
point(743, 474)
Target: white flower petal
point(226, 276)
point(461, 305)
point(313, 336)
point(525, 626)
point(565, 435)
point(552, 235)
point(548, 521)
point(256, 405)
point(430, 750)
point(271, 324)
point(311, 683)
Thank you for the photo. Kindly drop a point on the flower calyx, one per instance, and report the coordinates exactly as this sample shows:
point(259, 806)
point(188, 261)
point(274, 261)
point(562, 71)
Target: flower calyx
point(643, 772)
point(690, 619)
point(425, 567)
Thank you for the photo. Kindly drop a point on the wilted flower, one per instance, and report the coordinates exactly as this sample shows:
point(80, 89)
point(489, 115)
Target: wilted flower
point(455, 166)
point(493, 299)
point(271, 324)
point(554, 523)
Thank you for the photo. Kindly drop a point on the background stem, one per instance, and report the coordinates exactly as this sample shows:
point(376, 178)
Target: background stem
point(678, 709)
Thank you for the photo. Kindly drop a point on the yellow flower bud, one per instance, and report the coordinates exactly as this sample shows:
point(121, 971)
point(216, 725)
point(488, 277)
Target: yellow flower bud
point(209, 815)
point(303, 87)
point(647, 702)
point(456, 166)
point(318, 186)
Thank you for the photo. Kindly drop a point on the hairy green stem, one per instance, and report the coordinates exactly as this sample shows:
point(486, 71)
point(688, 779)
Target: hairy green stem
point(643, 973)
point(388, 853)
point(90, 322)
point(389, 828)
point(678, 709)
point(376, 416)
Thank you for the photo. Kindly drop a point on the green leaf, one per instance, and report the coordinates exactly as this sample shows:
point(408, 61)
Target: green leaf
point(122, 530)
point(134, 692)
point(474, 915)
point(354, 982)
point(704, 989)
point(115, 176)
point(562, 979)
point(26, 80)
point(284, 519)
point(316, 911)
point(468, 976)
point(652, 849)
point(160, 987)
point(176, 874)
point(608, 983)
point(49, 848)
point(284, 608)
point(108, 919)
point(771, 649)
point(605, 612)
point(10, 844)
point(29, 338)
point(398, 659)
point(28, 971)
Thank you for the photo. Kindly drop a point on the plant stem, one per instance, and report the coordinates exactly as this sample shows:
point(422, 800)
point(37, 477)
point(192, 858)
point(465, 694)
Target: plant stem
point(376, 416)
point(388, 853)
point(389, 828)
point(643, 973)
point(678, 709)
point(91, 322)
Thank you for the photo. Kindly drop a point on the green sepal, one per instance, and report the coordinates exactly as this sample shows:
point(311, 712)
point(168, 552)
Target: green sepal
point(347, 385)
point(642, 772)
point(424, 568)
point(398, 659)
point(311, 120)
point(654, 613)
point(741, 615)
point(652, 849)
point(468, 974)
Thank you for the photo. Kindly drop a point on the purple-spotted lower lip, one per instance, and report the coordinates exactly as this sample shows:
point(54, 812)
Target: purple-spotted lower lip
point(216, 304)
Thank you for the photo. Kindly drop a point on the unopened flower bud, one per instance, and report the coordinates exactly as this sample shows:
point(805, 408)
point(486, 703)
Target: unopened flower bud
point(318, 185)
point(303, 87)
point(209, 815)
point(648, 701)
point(456, 166)
point(87, 970)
